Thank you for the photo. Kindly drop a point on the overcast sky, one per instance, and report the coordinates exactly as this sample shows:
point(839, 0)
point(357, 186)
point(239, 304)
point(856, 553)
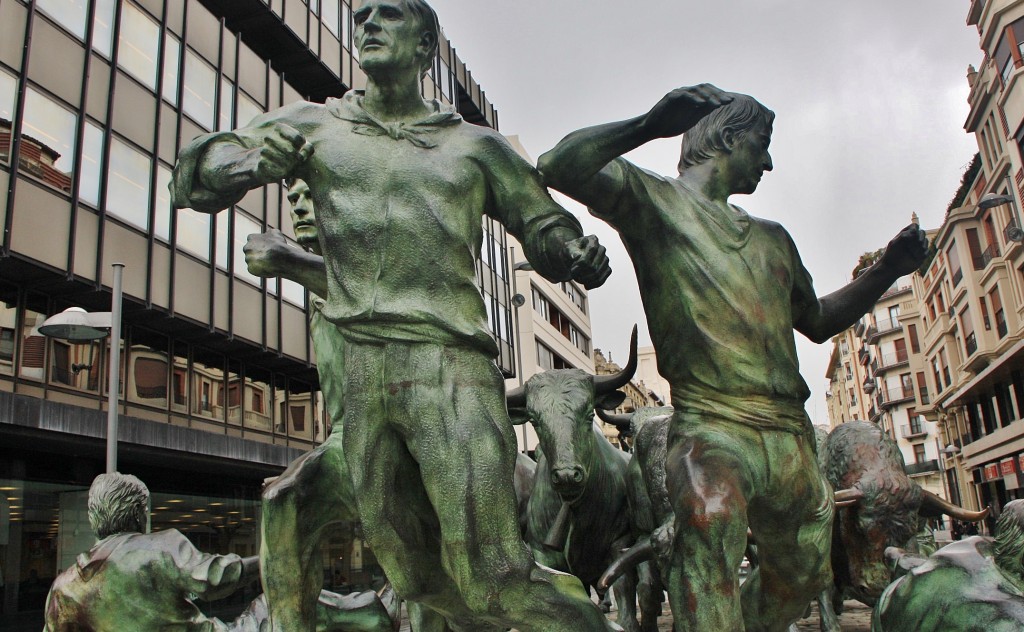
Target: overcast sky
point(870, 99)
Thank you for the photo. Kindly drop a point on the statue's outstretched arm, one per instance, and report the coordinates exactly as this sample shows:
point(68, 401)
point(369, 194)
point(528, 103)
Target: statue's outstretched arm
point(270, 255)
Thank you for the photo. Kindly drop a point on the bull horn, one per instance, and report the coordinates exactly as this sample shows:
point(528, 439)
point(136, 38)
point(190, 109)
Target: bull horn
point(932, 506)
point(848, 497)
point(640, 552)
point(516, 398)
point(621, 421)
point(559, 531)
point(608, 383)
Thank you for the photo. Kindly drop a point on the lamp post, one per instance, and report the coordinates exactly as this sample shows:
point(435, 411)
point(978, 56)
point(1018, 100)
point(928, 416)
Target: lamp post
point(77, 325)
point(989, 200)
point(518, 300)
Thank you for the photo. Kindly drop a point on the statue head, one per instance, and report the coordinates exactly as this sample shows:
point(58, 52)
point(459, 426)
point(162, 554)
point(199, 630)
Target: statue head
point(396, 32)
point(1009, 544)
point(303, 214)
point(740, 132)
point(118, 503)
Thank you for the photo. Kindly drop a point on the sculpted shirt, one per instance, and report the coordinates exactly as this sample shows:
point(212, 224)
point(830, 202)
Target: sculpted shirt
point(399, 209)
point(134, 582)
point(721, 290)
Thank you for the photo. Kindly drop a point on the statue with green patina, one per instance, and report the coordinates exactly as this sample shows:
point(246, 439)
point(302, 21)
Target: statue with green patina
point(401, 186)
point(133, 580)
point(723, 292)
point(972, 585)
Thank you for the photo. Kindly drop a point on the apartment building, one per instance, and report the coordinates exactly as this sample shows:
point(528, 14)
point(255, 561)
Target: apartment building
point(217, 384)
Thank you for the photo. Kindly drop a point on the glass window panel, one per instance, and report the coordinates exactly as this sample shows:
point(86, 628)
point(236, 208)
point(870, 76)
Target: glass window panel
point(221, 245)
point(227, 105)
point(138, 45)
point(71, 14)
point(8, 335)
point(244, 227)
point(194, 233)
point(172, 57)
point(128, 184)
point(346, 25)
point(272, 285)
point(76, 365)
point(92, 161)
point(33, 343)
point(256, 401)
point(102, 33)
point(231, 398)
point(200, 90)
point(162, 216)
point(329, 15)
point(150, 375)
point(8, 93)
point(293, 292)
point(179, 379)
point(247, 109)
point(208, 386)
point(50, 129)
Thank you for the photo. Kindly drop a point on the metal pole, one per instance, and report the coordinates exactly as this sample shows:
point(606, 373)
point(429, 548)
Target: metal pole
point(114, 372)
point(519, 342)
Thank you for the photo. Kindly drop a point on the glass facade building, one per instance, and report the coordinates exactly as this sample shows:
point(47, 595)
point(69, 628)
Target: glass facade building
point(218, 386)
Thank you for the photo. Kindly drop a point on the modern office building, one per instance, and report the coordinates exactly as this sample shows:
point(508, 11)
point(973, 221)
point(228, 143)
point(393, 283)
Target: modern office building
point(217, 383)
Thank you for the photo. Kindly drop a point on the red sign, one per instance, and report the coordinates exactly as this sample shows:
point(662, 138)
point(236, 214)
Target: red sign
point(1020, 462)
point(1007, 467)
point(991, 471)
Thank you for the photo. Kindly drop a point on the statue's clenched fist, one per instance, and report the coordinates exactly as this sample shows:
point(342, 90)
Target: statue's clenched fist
point(283, 149)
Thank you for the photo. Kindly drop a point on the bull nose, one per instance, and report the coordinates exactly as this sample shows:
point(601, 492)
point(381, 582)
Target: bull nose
point(563, 476)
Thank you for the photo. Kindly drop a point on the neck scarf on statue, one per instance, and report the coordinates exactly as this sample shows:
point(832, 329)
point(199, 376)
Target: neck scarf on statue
point(350, 108)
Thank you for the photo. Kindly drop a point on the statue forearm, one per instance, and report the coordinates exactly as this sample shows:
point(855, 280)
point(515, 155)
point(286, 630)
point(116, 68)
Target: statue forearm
point(226, 168)
point(578, 157)
point(842, 308)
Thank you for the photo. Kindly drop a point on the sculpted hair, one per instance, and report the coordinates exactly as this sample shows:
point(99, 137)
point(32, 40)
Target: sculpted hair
point(117, 503)
point(1009, 545)
point(707, 137)
point(428, 18)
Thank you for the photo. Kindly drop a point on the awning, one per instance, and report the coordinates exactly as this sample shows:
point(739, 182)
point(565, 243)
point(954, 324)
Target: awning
point(998, 369)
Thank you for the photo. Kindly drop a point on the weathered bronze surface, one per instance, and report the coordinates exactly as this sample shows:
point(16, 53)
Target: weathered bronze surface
point(400, 186)
point(723, 292)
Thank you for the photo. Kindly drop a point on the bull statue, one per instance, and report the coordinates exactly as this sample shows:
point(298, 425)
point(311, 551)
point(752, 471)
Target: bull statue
point(577, 515)
point(647, 494)
point(879, 507)
point(975, 584)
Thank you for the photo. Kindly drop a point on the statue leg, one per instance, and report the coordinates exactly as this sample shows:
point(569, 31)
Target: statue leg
point(460, 435)
point(312, 493)
point(624, 592)
point(792, 523)
point(709, 480)
point(358, 612)
point(649, 592)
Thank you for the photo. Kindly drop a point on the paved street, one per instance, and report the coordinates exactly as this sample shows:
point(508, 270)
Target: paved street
point(856, 618)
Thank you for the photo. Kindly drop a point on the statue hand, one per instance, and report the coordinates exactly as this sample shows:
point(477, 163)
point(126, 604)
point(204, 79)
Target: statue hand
point(266, 253)
point(680, 109)
point(588, 262)
point(906, 251)
point(283, 149)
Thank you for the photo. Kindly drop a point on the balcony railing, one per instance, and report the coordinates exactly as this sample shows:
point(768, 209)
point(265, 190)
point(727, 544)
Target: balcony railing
point(869, 384)
point(892, 396)
point(910, 431)
point(880, 328)
point(923, 395)
point(986, 257)
point(971, 343)
point(924, 467)
point(958, 274)
point(889, 360)
point(863, 355)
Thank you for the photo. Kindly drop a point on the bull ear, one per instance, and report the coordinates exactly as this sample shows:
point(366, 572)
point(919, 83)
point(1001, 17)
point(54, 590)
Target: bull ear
point(609, 401)
point(519, 416)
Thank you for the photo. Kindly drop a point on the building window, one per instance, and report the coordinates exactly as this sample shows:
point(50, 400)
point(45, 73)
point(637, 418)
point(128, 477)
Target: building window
point(150, 376)
point(200, 90)
point(226, 121)
point(967, 326)
point(102, 33)
point(48, 140)
point(954, 264)
point(548, 359)
point(172, 58)
point(194, 233)
point(128, 181)
point(919, 453)
point(162, 212)
point(290, 291)
point(71, 14)
point(330, 16)
point(915, 344)
point(247, 109)
point(92, 164)
point(138, 45)
point(8, 94)
point(220, 235)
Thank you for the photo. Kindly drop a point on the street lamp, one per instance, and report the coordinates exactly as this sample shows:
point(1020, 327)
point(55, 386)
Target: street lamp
point(1014, 232)
point(77, 325)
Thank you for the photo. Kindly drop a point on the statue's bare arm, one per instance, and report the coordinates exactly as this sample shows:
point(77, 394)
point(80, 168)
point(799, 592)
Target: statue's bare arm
point(823, 318)
point(579, 164)
point(269, 255)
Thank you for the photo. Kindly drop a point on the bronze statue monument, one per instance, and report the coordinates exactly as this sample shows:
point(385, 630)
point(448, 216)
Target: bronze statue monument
point(400, 186)
point(723, 292)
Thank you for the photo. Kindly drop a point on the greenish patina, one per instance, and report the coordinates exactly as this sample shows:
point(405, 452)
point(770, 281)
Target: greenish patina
point(723, 292)
point(400, 186)
point(972, 585)
point(132, 580)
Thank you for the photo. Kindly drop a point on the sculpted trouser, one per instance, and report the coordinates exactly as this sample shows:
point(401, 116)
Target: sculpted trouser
point(722, 478)
point(428, 427)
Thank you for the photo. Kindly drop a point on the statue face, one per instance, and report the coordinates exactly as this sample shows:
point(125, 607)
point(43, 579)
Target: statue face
point(749, 159)
point(387, 35)
point(303, 215)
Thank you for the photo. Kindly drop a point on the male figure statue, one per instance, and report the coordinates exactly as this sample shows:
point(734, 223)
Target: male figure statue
point(400, 186)
point(723, 292)
point(135, 580)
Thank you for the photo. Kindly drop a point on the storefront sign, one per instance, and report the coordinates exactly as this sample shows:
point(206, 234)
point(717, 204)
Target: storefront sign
point(1007, 467)
point(991, 472)
point(1020, 462)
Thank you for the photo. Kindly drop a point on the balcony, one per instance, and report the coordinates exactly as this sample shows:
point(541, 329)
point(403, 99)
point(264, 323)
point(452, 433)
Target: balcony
point(981, 261)
point(913, 431)
point(869, 384)
point(874, 414)
point(858, 329)
point(924, 397)
point(892, 360)
point(863, 355)
point(882, 327)
point(970, 344)
point(922, 468)
point(887, 398)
